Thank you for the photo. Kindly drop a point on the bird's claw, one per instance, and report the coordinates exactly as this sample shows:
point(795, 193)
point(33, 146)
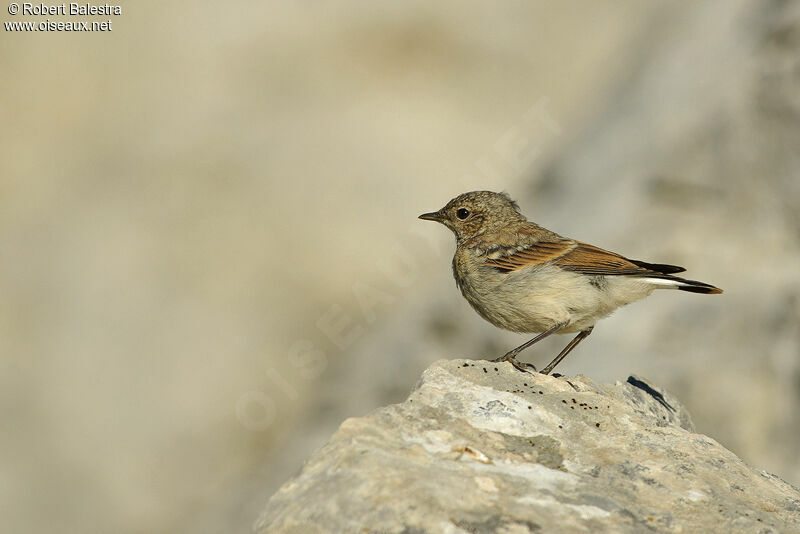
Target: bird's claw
point(518, 365)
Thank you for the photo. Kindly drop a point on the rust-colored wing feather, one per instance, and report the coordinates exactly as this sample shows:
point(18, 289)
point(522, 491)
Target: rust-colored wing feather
point(507, 259)
point(588, 259)
point(574, 256)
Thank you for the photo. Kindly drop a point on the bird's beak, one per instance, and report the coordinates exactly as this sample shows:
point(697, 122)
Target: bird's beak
point(433, 216)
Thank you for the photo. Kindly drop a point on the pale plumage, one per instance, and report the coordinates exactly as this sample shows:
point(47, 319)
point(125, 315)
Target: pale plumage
point(525, 278)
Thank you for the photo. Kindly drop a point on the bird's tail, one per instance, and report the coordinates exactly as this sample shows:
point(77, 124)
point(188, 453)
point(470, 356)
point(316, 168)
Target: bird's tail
point(676, 282)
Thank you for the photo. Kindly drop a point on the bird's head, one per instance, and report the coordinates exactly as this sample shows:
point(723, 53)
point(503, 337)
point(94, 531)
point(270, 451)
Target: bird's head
point(473, 213)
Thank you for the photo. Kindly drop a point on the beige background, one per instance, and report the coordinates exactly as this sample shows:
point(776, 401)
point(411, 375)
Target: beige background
point(211, 254)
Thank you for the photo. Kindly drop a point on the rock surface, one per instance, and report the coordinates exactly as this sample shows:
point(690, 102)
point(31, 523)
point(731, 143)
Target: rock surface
point(479, 447)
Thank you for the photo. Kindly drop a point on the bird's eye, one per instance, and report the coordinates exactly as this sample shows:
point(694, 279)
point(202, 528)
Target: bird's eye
point(462, 213)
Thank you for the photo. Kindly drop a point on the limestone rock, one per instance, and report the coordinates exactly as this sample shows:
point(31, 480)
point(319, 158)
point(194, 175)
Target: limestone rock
point(479, 447)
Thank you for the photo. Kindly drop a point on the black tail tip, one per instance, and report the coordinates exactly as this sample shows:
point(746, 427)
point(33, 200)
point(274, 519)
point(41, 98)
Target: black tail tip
point(704, 289)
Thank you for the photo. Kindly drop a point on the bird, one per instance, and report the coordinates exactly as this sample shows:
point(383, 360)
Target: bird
point(525, 278)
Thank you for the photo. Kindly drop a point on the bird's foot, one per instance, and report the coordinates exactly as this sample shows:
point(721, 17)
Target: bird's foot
point(518, 365)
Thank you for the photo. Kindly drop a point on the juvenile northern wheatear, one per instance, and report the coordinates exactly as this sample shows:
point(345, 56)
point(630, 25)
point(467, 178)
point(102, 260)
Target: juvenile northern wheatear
point(525, 278)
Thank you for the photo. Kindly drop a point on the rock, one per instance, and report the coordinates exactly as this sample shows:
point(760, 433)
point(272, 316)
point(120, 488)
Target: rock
point(479, 447)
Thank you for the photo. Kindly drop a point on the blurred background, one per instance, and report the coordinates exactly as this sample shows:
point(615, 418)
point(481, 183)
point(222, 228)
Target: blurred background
point(211, 257)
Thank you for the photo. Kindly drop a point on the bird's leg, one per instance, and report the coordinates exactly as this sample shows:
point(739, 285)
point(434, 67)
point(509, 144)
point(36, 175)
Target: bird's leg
point(510, 356)
point(571, 345)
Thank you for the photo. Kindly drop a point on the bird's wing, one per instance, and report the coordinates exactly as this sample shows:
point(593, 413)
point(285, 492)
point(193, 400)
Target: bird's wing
point(574, 256)
point(513, 258)
point(589, 259)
